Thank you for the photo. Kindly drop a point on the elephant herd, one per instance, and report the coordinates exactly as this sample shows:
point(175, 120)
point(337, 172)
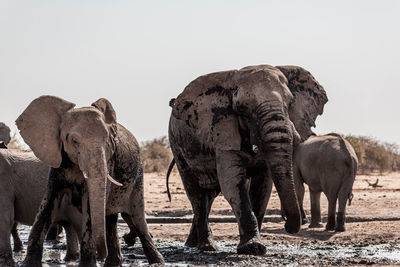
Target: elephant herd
point(233, 132)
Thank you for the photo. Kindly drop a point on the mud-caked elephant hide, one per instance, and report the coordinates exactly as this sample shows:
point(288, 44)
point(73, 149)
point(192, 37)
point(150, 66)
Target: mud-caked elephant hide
point(216, 123)
point(91, 153)
point(328, 164)
point(23, 180)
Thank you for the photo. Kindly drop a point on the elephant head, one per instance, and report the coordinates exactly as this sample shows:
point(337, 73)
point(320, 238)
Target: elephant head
point(54, 129)
point(4, 133)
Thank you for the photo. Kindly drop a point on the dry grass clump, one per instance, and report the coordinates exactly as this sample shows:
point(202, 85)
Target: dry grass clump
point(374, 155)
point(156, 154)
point(17, 143)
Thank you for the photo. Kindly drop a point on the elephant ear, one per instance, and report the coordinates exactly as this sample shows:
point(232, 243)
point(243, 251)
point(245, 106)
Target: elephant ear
point(39, 126)
point(107, 109)
point(309, 98)
point(205, 100)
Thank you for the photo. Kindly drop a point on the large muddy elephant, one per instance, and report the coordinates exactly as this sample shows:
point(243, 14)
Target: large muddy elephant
point(328, 164)
point(23, 180)
point(216, 123)
point(98, 160)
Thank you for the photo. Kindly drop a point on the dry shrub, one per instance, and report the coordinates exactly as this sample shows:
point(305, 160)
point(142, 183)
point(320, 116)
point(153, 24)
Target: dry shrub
point(156, 154)
point(374, 155)
point(17, 143)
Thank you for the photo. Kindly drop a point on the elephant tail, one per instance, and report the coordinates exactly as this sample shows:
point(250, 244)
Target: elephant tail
point(346, 189)
point(171, 166)
point(353, 176)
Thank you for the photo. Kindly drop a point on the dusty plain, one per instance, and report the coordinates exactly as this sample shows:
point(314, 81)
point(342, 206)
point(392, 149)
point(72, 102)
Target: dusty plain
point(372, 236)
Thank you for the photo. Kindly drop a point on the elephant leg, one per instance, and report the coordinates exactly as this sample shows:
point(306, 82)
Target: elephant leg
point(200, 235)
point(315, 210)
point(6, 224)
point(331, 212)
point(299, 187)
point(138, 221)
point(114, 257)
point(149, 248)
point(232, 180)
point(344, 193)
point(72, 243)
point(260, 192)
point(341, 215)
point(300, 197)
point(42, 223)
point(53, 232)
point(129, 238)
point(17, 240)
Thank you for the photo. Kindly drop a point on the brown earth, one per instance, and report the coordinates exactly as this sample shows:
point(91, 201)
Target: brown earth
point(373, 217)
point(372, 236)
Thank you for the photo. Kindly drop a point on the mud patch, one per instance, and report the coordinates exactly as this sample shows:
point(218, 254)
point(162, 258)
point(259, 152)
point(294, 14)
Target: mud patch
point(293, 253)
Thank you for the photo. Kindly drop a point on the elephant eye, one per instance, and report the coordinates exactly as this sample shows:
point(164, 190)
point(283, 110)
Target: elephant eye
point(73, 139)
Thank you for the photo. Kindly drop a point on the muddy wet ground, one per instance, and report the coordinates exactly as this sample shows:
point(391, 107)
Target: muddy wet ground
point(372, 236)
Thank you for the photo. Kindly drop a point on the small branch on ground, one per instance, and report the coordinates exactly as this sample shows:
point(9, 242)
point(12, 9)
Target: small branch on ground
point(374, 185)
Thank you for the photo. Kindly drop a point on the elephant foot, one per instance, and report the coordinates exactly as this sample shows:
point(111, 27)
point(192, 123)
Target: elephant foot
point(113, 259)
point(18, 247)
point(7, 261)
point(31, 262)
point(207, 245)
point(340, 228)
point(341, 218)
point(316, 225)
point(252, 247)
point(130, 239)
point(91, 263)
point(191, 242)
point(155, 258)
point(71, 256)
point(330, 227)
point(304, 220)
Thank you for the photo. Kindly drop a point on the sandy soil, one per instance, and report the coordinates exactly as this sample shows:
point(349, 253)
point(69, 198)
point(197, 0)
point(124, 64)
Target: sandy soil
point(372, 236)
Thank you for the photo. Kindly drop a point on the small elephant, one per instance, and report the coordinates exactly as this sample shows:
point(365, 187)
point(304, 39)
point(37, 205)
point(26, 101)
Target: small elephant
point(4, 133)
point(215, 123)
point(23, 180)
point(97, 160)
point(326, 164)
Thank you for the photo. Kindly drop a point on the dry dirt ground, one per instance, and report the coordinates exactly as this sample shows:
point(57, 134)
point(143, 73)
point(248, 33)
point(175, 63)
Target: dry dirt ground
point(372, 236)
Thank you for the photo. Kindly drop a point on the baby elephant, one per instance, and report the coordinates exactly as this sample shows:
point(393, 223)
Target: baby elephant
point(23, 180)
point(326, 164)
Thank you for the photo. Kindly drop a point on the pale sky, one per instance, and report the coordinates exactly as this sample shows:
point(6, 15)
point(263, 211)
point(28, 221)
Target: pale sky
point(139, 55)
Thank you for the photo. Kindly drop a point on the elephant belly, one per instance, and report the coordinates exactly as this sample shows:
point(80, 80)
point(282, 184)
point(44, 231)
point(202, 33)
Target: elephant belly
point(117, 198)
point(194, 153)
point(205, 172)
point(208, 181)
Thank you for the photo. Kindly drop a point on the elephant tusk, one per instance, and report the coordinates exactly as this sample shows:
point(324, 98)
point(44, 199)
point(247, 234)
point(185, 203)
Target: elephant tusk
point(85, 175)
point(112, 180)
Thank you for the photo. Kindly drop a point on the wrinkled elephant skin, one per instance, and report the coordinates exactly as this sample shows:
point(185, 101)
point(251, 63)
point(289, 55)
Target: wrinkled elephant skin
point(216, 123)
point(89, 152)
point(326, 164)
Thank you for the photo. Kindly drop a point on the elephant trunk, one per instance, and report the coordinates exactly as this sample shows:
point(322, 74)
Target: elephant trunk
point(95, 171)
point(277, 144)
